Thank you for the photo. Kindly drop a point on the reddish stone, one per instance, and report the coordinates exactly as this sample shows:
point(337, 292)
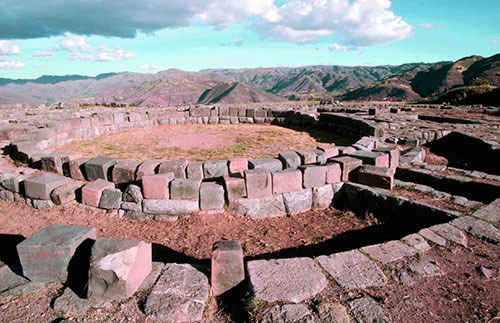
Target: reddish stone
point(227, 266)
point(147, 168)
point(235, 187)
point(75, 168)
point(156, 186)
point(347, 164)
point(40, 186)
point(65, 193)
point(289, 180)
point(258, 183)
point(91, 193)
point(238, 165)
point(329, 150)
point(333, 173)
point(393, 153)
point(376, 176)
point(124, 171)
point(313, 176)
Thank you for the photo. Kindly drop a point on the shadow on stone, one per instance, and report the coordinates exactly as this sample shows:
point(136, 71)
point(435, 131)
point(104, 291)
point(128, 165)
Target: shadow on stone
point(8, 255)
point(164, 254)
point(235, 302)
point(78, 269)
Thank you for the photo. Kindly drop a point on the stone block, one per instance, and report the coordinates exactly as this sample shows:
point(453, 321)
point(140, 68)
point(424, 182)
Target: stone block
point(258, 183)
point(65, 193)
point(346, 150)
point(270, 164)
point(298, 202)
point(393, 153)
point(54, 163)
point(98, 167)
point(307, 156)
point(110, 199)
point(170, 207)
point(91, 193)
point(417, 241)
point(45, 256)
point(347, 165)
point(389, 251)
point(238, 165)
point(14, 183)
point(322, 197)
point(450, 232)
point(185, 189)
point(124, 171)
point(330, 150)
point(287, 313)
point(235, 187)
point(258, 208)
point(133, 194)
point(156, 186)
point(148, 167)
point(40, 186)
point(227, 266)
point(376, 176)
point(117, 268)
point(372, 158)
point(178, 167)
point(215, 168)
point(288, 180)
point(194, 170)
point(77, 168)
point(333, 173)
point(290, 159)
point(313, 175)
point(366, 309)
point(211, 196)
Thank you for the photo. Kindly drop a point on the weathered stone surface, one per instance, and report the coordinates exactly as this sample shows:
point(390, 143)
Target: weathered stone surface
point(65, 193)
point(185, 189)
point(270, 164)
point(451, 233)
point(389, 251)
point(42, 204)
point(169, 207)
point(257, 208)
point(69, 302)
point(366, 309)
point(289, 280)
point(372, 158)
point(25, 289)
point(417, 242)
point(54, 163)
point(478, 228)
point(490, 213)
point(150, 280)
point(110, 199)
point(180, 295)
point(238, 166)
point(287, 313)
point(148, 167)
point(333, 173)
point(227, 266)
point(258, 183)
point(313, 176)
point(333, 313)
point(45, 256)
point(322, 197)
point(117, 268)
point(98, 167)
point(215, 168)
point(14, 183)
point(352, 269)
point(76, 168)
point(131, 206)
point(194, 170)
point(136, 215)
point(40, 186)
point(290, 159)
point(376, 176)
point(133, 194)
point(288, 180)
point(393, 153)
point(91, 193)
point(157, 186)
point(124, 171)
point(424, 266)
point(431, 236)
point(178, 167)
point(307, 156)
point(347, 164)
point(297, 202)
point(211, 196)
point(9, 279)
point(330, 150)
point(235, 187)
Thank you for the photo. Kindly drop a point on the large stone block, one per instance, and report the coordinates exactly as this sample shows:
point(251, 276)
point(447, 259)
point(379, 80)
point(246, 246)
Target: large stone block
point(117, 268)
point(194, 170)
point(215, 168)
point(235, 187)
point(372, 158)
point(124, 171)
point(66, 193)
point(211, 196)
point(133, 194)
point(348, 165)
point(77, 168)
point(178, 167)
point(270, 164)
point(99, 167)
point(258, 183)
point(290, 159)
point(227, 266)
point(148, 167)
point(330, 150)
point(91, 193)
point(185, 189)
point(322, 197)
point(170, 207)
point(258, 208)
point(288, 180)
point(238, 165)
point(46, 255)
point(333, 173)
point(298, 202)
point(110, 199)
point(307, 156)
point(313, 176)
point(40, 186)
point(156, 186)
point(54, 163)
point(393, 153)
point(390, 251)
point(376, 176)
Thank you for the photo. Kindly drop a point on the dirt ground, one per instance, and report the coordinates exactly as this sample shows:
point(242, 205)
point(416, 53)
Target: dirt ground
point(202, 142)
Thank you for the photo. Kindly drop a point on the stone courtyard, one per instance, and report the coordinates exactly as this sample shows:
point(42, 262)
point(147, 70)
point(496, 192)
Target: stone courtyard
point(416, 188)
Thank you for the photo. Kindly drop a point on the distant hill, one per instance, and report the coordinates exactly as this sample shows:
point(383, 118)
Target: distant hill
point(236, 92)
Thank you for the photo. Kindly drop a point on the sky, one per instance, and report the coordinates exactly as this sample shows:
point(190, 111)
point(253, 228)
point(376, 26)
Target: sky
point(90, 37)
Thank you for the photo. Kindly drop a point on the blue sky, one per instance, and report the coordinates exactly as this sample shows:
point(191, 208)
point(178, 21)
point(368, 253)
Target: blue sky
point(90, 37)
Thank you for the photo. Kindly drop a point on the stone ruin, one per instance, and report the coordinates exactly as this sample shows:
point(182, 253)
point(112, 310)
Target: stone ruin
point(387, 152)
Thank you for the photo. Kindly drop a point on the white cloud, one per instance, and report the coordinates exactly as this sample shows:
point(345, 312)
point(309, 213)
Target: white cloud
point(104, 53)
point(75, 44)
point(494, 41)
point(151, 67)
point(337, 48)
point(428, 25)
point(8, 47)
point(44, 53)
point(10, 64)
point(224, 13)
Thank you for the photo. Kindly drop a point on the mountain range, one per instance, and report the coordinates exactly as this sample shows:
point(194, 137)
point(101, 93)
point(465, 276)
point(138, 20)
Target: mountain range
point(466, 79)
